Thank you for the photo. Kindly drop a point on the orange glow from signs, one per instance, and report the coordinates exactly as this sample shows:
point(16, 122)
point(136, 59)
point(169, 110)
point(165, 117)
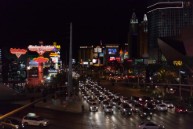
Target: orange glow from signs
point(17, 51)
point(54, 54)
point(41, 59)
point(177, 63)
point(121, 52)
point(40, 49)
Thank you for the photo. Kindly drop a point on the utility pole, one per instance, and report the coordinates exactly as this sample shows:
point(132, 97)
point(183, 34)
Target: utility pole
point(70, 64)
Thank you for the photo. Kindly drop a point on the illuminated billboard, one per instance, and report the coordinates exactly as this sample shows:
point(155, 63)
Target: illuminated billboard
point(97, 49)
point(18, 52)
point(112, 51)
point(101, 54)
point(111, 58)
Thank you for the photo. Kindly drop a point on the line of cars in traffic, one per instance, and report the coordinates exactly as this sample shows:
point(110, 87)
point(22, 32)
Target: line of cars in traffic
point(110, 102)
point(98, 96)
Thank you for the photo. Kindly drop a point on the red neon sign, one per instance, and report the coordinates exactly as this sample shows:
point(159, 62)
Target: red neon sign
point(17, 51)
point(41, 59)
point(40, 49)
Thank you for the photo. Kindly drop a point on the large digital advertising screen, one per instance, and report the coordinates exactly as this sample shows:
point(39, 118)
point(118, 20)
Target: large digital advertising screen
point(112, 51)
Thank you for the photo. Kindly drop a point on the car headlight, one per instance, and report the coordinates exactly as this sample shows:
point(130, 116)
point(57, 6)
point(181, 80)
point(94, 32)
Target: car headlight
point(16, 126)
point(45, 123)
point(22, 125)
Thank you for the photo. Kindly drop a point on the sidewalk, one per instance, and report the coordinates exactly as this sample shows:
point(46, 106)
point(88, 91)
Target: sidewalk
point(73, 105)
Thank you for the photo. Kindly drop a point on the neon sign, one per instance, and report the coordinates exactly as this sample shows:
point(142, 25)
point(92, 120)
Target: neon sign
point(177, 63)
point(40, 49)
point(41, 59)
point(54, 54)
point(17, 51)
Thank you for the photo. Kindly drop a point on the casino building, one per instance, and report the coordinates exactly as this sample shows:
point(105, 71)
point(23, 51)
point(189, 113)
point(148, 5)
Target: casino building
point(166, 19)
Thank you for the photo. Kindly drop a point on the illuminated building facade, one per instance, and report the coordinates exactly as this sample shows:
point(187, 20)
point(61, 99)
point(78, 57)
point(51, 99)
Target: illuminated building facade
point(166, 18)
point(101, 55)
point(55, 56)
point(44, 62)
point(40, 49)
point(86, 54)
point(112, 53)
point(98, 56)
point(13, 69)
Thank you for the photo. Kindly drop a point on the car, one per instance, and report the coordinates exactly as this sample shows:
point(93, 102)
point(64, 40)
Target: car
point(105, 103)
point(150, 125)
point(181, 109)
point(125, 109)
point(93, 107)
point(161, 107)
point(101, 98)
point(114, 101)
point(136, 107)
point(35, 120)
point(145, 113)
point(169, 104)
point(11, 123)
point(90, 101)
point(125, 99)
point(108, 109)
point(151, 106)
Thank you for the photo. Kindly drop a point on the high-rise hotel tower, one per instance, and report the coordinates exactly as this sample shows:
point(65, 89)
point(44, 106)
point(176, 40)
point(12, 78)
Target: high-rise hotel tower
point(166, 19)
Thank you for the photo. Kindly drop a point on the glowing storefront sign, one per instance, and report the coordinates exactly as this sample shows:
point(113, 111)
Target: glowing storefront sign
point(33, 63)
point(17, 51)
point(40, 49)
point(112, 46)
point(52, 71)
point(98, 49)
point(54, 59)
point(177, 63)
point(111, 58)
point(41, 59)
point(57, 46)
point(54, 54)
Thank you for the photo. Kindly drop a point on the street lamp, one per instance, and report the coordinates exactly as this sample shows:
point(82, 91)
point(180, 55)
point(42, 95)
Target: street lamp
point(179, 64)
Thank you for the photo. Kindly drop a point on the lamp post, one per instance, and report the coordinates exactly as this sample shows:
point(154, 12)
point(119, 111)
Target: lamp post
point(180, 87)
point(70, 64)
point(179, 64)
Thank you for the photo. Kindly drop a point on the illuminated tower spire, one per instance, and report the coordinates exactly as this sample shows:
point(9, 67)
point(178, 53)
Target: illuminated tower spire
point(145, 22)
point(133, 19)
point(145, 17)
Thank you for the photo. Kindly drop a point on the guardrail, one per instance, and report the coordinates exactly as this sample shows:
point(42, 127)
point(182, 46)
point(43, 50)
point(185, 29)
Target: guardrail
point(21, 108)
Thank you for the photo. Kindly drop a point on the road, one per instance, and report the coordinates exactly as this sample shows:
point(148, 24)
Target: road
point(100, 120)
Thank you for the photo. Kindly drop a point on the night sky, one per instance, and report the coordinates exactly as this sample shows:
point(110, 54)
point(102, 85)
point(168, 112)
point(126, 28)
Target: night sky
point(24, 22)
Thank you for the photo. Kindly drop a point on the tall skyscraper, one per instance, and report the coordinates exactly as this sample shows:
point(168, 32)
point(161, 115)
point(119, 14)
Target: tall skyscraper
point(143, 38)
point(133, 37)
point(166, 18)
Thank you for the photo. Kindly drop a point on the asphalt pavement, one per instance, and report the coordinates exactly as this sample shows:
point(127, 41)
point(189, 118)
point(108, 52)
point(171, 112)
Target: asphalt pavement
point(73, 104)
